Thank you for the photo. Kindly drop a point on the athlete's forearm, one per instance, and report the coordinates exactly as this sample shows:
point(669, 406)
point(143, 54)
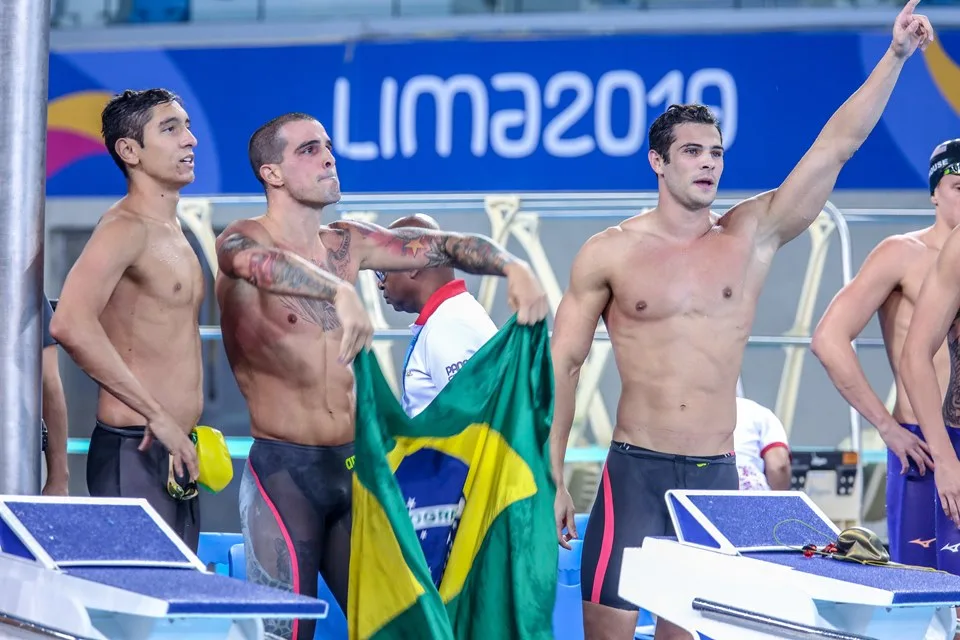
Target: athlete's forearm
point(277, 271)
point(285, 273)
point(564, 410)
point(55, 417)
point(469, 252)
point(87, 344)
point(849, 127)
point(844, 370)
point(477, 254)
point(923, 390)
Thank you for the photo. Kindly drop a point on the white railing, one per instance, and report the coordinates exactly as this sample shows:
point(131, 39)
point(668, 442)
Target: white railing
point(518, 218)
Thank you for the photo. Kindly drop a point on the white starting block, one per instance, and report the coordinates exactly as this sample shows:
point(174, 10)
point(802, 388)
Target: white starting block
point(98, 568)
point(736, 572)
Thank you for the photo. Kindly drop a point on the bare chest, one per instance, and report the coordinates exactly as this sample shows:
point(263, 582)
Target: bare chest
point(170, 272)
point(287, 315)
point(712, 280)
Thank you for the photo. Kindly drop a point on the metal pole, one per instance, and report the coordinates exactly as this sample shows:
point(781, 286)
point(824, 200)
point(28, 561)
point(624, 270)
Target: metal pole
point(24, 53)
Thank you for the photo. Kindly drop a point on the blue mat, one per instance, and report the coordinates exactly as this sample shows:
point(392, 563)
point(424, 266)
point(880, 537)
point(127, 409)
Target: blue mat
point(96, 532)
point(909, 586)
point(765, 521)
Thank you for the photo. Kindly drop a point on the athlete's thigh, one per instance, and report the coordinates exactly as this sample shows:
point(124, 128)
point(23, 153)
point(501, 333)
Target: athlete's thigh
point(629, 507)
point(282, 538)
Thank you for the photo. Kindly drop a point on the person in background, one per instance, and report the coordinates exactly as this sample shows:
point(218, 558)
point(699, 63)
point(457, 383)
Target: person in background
point(451, 325)
point(763, 454)
point(54, 412)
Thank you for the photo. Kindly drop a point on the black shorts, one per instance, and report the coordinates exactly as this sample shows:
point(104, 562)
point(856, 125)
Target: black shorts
point(295, 514)
point(116, 469)
point(630, 506)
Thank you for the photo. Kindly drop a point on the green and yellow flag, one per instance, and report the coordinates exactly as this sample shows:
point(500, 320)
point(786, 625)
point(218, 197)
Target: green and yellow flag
point(453, 529)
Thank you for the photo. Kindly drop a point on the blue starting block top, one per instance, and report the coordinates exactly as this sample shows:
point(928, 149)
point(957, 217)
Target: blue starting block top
point(94, 532)
point(733, 522)
point(123, 543)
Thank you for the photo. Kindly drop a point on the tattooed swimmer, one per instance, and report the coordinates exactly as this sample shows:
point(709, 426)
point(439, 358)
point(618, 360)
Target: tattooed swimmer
point(936, 318)
point(888, 284)
point(292, 322)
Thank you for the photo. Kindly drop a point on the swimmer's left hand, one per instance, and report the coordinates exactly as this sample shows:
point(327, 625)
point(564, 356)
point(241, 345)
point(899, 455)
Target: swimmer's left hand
point(911, 31)
point(524, 293)
point(56, 487)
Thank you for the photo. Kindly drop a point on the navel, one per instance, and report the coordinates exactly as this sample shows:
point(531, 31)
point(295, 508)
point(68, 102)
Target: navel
point(727, 292)
point(177, 287)
point(641, 305)
point(291, 318)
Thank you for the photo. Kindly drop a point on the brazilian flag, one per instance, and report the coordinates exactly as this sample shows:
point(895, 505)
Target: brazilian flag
point(453, 527)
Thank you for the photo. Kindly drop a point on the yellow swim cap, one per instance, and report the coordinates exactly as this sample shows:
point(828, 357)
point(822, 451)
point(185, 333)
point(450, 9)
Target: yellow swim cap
point(216, 467)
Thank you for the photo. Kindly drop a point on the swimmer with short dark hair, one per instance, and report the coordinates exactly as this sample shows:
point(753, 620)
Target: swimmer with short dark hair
point(678, 289)
point(292, 323)
point(128, 316)
point(937, 318)
point(888, 284)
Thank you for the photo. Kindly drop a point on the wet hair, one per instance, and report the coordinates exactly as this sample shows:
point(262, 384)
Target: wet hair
point(267, 145)
point(663, 130)
point(127, 114)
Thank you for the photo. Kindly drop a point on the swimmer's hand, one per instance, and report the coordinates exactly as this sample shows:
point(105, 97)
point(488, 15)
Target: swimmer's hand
point(171, 435)
point(947, 477)
point(564, 512)
point(357, 328)
point(524, 293)
point(910, 31)
point(906, 447)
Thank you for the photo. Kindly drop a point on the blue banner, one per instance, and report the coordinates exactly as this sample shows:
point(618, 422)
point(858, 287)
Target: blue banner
point(514, 115)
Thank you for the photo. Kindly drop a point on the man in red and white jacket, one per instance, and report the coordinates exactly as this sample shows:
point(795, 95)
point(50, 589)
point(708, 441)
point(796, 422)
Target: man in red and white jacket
point(450, 328)
point(763, 455)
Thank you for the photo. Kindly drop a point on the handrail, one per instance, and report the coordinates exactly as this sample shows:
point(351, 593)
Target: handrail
point(209, 332)
point(11, 620)
point(766, 623)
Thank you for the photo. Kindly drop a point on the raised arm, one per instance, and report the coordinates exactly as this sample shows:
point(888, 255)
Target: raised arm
point(573, 332)
point(788, 211)
point(936, 309)
point(114, 246)
point(245, 252)
point(843, 321)
point(405, 248)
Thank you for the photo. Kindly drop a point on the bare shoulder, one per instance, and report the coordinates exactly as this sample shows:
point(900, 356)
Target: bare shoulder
point(745, 216)
point(598, 251)
point(119, 230)
point(247, 227)
point(336, 236)
point(897, 251)
point(612, 237)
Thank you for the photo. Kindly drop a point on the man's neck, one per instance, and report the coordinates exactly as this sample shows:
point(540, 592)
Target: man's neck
point(679, 222)
point(295, 222)
point(153, 200)
point(939, 231)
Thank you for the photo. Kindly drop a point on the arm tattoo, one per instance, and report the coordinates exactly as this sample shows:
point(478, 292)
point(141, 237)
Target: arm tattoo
point(280, 272)
point(951, 400)
point(469, 252)
point(234, 245)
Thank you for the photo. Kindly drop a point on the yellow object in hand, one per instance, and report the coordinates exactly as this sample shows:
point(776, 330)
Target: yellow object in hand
point(216, 467)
